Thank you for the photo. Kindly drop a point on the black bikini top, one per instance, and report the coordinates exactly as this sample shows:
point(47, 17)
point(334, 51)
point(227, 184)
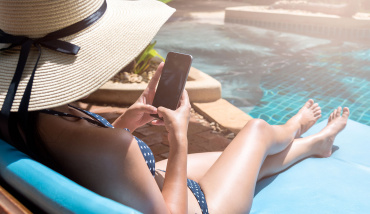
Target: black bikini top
point(98, 121)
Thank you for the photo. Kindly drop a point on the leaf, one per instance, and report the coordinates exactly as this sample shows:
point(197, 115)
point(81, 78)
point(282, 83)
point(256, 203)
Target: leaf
point(154, 53)
point(165, 1)
point(142, 61)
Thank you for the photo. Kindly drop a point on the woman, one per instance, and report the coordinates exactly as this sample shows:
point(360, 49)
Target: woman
point(110, 161)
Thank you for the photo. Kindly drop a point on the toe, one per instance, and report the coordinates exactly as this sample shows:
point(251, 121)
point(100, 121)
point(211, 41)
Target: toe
point(314, 106)
point(335, 113)
point(317, 113)
point(309, 103)
point(332, 115)
point(339, 111)
point(318, 109)
point(345, 112)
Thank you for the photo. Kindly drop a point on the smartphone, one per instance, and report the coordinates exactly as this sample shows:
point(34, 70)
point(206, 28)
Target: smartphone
point(172, 81)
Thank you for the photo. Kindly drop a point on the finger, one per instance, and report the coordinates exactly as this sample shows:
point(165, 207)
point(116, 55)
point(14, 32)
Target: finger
point(184, 100)
point(158, 122)
point(153, 82)
point(164, 112)
point(160, 111)
point(149, 109)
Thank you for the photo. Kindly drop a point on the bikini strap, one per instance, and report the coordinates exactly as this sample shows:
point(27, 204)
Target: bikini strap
point(97, 117)
point(62, 114)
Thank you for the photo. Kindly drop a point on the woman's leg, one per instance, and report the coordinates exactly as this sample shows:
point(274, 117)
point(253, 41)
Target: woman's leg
point(197, 166)
point(263, 140)
point(230, 182)
point(318, 145)
point(315, 145)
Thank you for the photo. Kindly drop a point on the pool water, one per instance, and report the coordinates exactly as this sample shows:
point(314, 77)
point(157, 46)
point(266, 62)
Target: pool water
point(270, 74)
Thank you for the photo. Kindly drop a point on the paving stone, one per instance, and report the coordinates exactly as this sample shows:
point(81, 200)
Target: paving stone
point(164, 155)
point(209, 135)
point(196, 127)
point(138, 135)
point(214, 142)
point(159, 158)
point(165, 138)
point(143, 127)
point(98, 109)
point(153, 139)
point(158, 149)
point(149, 130)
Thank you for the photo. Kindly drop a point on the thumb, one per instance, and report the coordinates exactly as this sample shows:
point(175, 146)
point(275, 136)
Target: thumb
point(149, 109)
point(162, 111)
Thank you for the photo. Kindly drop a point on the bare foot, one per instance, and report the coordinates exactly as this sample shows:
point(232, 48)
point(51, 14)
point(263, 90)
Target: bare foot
point(306, 116)
point(336, 123)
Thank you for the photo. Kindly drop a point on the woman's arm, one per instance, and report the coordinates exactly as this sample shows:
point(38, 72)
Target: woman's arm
point(175, 186)
point(139, 113)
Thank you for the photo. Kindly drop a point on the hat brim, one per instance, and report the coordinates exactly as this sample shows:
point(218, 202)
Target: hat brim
point(106, 47)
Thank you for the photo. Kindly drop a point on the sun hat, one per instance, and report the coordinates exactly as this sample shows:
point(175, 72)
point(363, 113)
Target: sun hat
point(105, 45)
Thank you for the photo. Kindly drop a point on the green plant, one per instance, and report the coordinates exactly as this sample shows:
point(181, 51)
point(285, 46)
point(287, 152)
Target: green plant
point(165, 1)
point(142, 61)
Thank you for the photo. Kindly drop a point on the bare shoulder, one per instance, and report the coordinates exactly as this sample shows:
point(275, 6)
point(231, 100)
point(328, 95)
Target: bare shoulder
point(105, 160)
point(76, 145)
point(70, 136)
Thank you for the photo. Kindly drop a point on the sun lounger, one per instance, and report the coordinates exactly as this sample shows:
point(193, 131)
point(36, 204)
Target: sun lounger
point(339, 184)
point(51, 191)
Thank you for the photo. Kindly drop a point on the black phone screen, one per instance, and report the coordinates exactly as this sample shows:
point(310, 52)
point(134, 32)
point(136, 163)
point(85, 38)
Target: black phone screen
point(172, 81)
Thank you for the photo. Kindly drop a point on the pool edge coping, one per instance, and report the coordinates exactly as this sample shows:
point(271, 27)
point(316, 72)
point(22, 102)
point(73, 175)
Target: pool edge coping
point(311, 24)
point(224, 113)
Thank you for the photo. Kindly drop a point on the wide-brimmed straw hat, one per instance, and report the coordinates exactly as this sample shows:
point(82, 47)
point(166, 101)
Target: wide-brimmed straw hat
point(106, 45)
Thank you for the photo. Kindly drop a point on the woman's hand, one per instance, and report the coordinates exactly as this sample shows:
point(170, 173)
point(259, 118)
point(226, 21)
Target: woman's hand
point(176, 122)
point(139, 113)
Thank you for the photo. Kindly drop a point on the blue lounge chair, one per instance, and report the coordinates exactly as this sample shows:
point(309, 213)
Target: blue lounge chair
point(339, 184)
point(49, 190)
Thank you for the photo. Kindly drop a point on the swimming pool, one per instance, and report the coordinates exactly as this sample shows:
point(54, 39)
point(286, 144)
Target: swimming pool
point(270, 74)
